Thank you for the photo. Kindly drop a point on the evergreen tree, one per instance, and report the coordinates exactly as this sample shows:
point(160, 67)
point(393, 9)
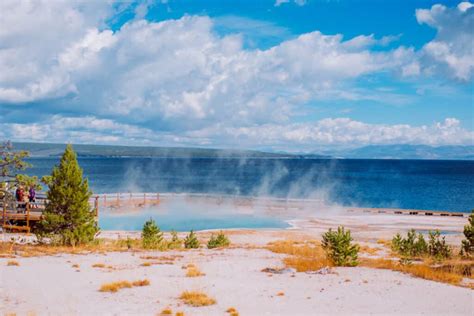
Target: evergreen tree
point(467, 246)
point(339, 248)
point(68, 217)
point(152, 236)
point(191, 241)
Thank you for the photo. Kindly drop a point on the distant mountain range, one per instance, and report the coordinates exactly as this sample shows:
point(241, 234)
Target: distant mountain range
point(54, 150)
point(404, 152)
point(367, 152)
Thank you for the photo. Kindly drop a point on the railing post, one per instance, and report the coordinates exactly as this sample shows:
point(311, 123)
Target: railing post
point(28, 216)
point(96, 206)
point(4, 213)
point(144, 198)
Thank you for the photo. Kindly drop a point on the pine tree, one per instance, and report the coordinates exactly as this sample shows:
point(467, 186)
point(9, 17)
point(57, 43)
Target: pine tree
point(68, 218)
point(467, 246)
point(191, 241)
point(339, 248)
point(152, 236)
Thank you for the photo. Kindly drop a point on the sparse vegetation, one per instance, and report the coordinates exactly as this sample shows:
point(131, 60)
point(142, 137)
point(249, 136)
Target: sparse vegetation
point(221, 240)
point(191, 241)
point(415, 246)
point(116, 286)
point(152, 237)
point(412, 246)
point(13, 263)
point(339, 248)
point(467, 245)
point(196, 298)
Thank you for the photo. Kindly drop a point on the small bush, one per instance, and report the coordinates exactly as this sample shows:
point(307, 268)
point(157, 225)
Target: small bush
point(152, 237)
point(339, 248)
point(191, 241)
point(467, 245)
point(437, 246)
point(411, 246)
point(195, 298)
point(220, 241)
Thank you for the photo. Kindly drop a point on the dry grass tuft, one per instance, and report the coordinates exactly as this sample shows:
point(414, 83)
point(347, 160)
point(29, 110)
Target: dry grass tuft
point(13, 263)
point(281, 294)
point(193, 271)
point(98, 265)
point(420, 270)
point(195, 298)
point(166, 311)
point(115, 286)
point(304, 256)
point(179, 314)
point(231, 310)
point(75, 266)
point(368, 250)
point(146, 264)
point(143, 282)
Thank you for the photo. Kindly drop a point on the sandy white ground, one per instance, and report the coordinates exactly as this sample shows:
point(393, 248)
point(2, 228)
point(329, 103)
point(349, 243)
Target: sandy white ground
point(51, 285)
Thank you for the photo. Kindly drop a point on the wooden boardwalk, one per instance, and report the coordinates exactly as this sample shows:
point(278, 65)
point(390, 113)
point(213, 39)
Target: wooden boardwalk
point(22, 216)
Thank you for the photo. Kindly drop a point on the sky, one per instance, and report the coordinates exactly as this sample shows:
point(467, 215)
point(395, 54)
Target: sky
point(284, 75)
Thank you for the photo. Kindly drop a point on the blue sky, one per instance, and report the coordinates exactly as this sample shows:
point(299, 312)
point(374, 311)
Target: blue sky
point(275, 75)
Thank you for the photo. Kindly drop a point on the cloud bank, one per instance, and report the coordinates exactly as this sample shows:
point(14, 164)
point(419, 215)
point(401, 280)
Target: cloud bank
point(178, 82)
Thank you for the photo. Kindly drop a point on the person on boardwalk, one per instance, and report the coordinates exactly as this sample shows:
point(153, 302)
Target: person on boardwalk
point(20, 197)
point(32, 196)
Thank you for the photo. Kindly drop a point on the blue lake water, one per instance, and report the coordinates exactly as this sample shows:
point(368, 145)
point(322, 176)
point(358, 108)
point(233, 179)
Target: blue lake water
point(417, 184)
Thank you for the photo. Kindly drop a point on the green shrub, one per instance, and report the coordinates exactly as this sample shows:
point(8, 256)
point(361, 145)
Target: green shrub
point(467, 245)
point(411, 246)
point(175, 242)
point(339, 248)
point(437, 246)
point(191, 241)
point(152, 237)
point(220, 241)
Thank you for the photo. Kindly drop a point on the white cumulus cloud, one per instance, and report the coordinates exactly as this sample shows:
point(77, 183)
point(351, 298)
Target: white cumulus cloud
point(451, 52)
